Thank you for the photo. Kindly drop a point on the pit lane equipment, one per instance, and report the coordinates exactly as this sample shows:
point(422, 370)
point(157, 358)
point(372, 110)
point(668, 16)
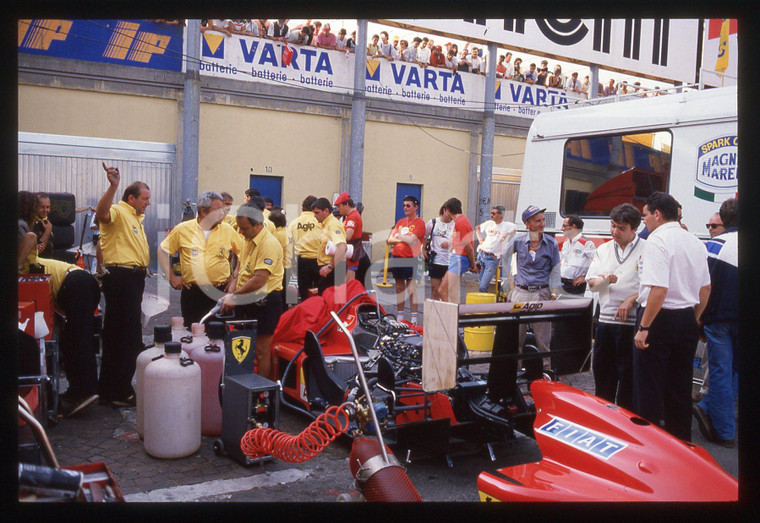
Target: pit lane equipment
point(385, 283)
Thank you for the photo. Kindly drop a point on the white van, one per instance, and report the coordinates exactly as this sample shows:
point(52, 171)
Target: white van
point(586, 161)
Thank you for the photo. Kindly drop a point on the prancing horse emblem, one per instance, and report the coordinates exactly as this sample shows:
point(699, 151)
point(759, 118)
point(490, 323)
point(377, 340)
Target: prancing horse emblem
point(240, 347)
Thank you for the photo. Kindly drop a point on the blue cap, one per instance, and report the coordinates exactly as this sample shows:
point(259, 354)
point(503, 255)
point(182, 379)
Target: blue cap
point(530, 212)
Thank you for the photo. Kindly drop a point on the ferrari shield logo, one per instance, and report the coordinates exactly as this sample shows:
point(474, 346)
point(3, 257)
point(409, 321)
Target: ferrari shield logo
point(240, 347)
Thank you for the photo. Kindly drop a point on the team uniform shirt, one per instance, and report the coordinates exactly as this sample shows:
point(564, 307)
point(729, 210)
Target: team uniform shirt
point(539, 267)
point(406, 226)
point(262, 252)
point(203, 261)
point(354, 221)
point(462, 235)
point(123, 239)
point(331, 231)
point(677, 260)
point(609, 258)
point(723, 261)
point(230, 220)
point(440, 233)
point(495, 236)
point(58, 270)
point(284, 238)
point(306, 234)
point(576, 257)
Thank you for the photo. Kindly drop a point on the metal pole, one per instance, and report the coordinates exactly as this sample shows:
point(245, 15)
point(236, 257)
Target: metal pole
point(191, 110)
point(593, 88)
point(486, 145)
point(358, 114)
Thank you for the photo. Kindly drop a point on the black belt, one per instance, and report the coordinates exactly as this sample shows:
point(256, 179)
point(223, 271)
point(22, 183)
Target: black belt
point(532, 288)
point(133, 268)
point(567, 280)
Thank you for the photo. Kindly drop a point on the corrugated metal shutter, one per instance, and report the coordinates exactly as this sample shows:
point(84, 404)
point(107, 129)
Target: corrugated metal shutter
point(57, 163)
point(506, 193)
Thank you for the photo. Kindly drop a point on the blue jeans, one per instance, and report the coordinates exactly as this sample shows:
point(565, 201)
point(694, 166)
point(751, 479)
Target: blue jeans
point(724, 379)
point(488, 265)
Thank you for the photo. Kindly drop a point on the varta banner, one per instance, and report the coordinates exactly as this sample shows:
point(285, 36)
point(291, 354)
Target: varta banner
point(137, 43)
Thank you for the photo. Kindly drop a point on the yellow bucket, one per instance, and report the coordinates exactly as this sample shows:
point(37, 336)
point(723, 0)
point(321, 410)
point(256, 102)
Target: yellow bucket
point(479, 338)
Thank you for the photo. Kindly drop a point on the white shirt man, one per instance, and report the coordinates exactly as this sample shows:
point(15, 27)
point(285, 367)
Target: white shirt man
point(510, 67)
point(614, 274)
point(673, 292)
point(493, 235)
point(575, 256)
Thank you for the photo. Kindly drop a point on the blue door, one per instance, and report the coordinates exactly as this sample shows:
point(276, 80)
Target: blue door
point(403, 190)
point(268, 186)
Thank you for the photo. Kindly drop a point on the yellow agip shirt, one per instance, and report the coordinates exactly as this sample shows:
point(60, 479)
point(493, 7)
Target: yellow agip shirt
point(123, 240)
point(262, 252)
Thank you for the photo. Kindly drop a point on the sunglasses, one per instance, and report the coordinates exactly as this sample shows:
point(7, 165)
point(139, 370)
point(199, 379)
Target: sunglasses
point(713, 225)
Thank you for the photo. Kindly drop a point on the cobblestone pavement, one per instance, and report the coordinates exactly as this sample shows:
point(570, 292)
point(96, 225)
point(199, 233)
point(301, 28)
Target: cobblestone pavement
point(104, 433)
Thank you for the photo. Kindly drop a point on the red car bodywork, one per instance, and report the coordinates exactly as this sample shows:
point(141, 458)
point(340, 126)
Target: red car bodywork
point(596, 451)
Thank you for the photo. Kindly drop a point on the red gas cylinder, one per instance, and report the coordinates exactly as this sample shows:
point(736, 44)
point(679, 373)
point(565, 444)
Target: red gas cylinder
point(210, 357)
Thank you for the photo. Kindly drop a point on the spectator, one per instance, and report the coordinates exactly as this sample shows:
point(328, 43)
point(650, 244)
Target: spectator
point(464, 61)
point(575, 256)
point(462, 251)
point(501, 69)
point(537, 271)
point(532, 75)
point(600, 90)
point(715, 413)
point(217, 25)
point(573, 84)
point(263, 26)
point(316, 28)
point(452, 60)
point(510, 67)
point(415, 48)
point(341, 41)
point(436, 57)
point(351, 44)
point(614, 274)
point(585, 86)
point(278, 30)
point(301, 36)
point(326, 39)
point(640, 91)
point(518, 76)
point(496, 233)
point(407, 53)
point(373, 49)
point(610, 89)
point(475, 62)
point(623, 89)
point(673, 291)
point(556, 80)
point(423, 53)
point(385, 46)
point(395, 49)
point(543, 73)
point(252, 27)
point(406, 240)
point(438, 233)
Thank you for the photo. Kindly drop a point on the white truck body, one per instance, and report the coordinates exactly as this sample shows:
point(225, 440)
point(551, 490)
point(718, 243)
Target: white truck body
point(570, 153)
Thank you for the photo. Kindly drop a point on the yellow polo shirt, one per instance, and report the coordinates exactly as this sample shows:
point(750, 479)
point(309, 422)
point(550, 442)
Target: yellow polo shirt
point(284, 238)
point(57, 271)
point(123, 240)
point(203, 261)
point(262, 252)
point(331, 231)
point(306, 234)
point(230, 220)
point(269, 225)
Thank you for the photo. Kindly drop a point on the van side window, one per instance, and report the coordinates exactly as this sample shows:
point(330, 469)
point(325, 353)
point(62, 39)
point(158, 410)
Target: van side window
point(601, 172)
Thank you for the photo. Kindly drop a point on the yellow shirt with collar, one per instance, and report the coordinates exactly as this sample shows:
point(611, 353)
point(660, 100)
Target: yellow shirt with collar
point(306, 234)
point(262, 252)
point(123, 239)
point(57, 271)
point(203, 261)
point(332, 231)
point(269, 225)
point(283, 237)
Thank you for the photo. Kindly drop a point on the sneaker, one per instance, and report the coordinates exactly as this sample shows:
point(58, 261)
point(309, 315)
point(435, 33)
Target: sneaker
point(129, 401)
point(77, 405)
point(705, 425)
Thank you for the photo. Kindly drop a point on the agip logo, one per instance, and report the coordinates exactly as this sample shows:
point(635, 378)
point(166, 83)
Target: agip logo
point(717, 168)
point(373, 70)
point(213, 45)
point(39, 34)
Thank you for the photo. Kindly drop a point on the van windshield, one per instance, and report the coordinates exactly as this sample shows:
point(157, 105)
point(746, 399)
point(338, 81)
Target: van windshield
point(601, 172)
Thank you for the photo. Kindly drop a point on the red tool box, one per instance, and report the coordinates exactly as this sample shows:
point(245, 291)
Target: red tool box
point(36, 288)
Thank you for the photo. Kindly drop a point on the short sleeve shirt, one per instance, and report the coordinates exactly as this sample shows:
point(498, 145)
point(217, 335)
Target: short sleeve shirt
point(404, 227)
point(495, 236)
point(123, 239)
point(262, 252)
point(440, 233)
point(203, 261)
point(462, 235)
point(306, 234)
point(534, 270)
point(58, 271)
point(332, 231)
point(576, 257)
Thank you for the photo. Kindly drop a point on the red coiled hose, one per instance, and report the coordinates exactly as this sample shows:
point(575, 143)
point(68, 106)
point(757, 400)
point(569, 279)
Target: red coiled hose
point(297, 449)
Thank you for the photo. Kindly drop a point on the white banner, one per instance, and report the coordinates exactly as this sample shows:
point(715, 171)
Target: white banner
point(257, 60)
point(662, 48)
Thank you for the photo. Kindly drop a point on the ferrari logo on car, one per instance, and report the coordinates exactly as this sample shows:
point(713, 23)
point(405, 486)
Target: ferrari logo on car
point(240, 347)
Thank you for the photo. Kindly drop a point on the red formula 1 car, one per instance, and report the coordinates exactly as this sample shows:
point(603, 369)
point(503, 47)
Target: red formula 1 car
point(314, 364)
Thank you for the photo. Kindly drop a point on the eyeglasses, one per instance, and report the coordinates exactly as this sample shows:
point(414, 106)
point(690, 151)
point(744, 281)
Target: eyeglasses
point(408, 205)
point(713, 225)
point(566, 226)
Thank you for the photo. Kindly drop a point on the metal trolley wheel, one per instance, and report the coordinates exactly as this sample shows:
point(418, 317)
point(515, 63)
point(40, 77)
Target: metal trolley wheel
point(219, 447)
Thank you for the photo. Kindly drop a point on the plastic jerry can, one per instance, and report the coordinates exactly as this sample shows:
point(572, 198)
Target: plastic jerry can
point(161, 335)
point(210, 358)
point(196, 339)
point(172, 387)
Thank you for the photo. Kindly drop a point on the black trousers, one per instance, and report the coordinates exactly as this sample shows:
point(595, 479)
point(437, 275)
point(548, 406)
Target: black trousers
point(662, 373)
point(613, 363)
point(79, 296)
point(308, 276)
point(361, 271)
point(326, 282)
point(195, 303)
point(122, 331)
point(567, 285)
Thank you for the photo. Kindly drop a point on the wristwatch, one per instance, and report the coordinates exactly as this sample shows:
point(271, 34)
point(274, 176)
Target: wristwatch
point(642, 328)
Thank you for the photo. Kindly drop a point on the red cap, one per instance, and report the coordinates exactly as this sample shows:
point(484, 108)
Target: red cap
point(342, 198)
